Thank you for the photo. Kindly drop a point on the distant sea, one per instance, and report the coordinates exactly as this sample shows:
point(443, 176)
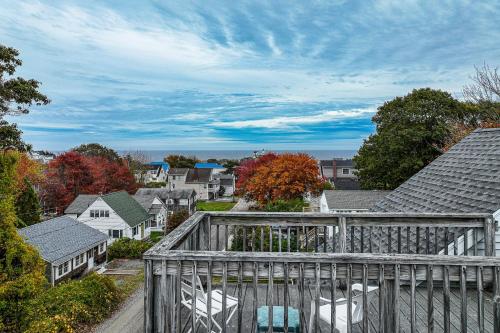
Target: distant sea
point(157, 155)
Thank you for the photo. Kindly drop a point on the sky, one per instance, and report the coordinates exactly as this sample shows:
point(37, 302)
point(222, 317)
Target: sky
point(216, 75)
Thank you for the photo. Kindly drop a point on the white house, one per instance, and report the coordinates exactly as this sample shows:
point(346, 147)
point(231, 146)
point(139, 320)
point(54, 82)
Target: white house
point(69, 248)
point(202, 181)
point(155, 172)
point(228, 182)
point(117, 215)
point(155, 207)
point(465, 179)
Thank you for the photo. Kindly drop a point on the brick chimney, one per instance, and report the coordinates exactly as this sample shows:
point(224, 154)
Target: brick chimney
point(334, 166)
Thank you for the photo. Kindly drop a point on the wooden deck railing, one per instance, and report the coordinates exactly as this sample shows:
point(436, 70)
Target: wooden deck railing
point(316, 256)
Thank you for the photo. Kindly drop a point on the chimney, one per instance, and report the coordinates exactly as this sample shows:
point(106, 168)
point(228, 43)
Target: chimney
point(334, 166)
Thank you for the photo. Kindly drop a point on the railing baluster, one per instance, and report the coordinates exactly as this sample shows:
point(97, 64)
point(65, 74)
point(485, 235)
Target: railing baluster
point(217, 240)
point(255, 284)
point(224, 297)
point(463, 304)
point(209, 296)
point(288, 239)
point(307, 238)
point(164, 303)
point(253, 239)
point(279, 239)
point(361, 250)
point(148, 296)
point(324, 238)
point(413, 282)
point(430, 299)
point(396, 297)
point(244, 238)
point(240, 295)
point(194, 284)
point(352, 239)
point(480, 299)
point(455, 242)
point(334, 243)
point(226, 238)
point(178, 326)
point(317, 295)
point(436, 240)
point(298, 239)
point(285, 295)
point(301, 301)
point(381, 299)
point(270, 239)
point(446, 240)
point(365, 299)
point(333, 296)
point(342, 234)
point(474, 239)
point(349, 298)
point(446, 298)
point(271, 298)
point(261, 239)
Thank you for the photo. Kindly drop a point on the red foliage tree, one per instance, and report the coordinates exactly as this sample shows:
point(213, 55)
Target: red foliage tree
point(71, 174)
point(247, 169)
point(285, 177)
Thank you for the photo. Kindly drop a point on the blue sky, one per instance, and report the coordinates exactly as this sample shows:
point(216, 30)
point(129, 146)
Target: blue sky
point(237, 74)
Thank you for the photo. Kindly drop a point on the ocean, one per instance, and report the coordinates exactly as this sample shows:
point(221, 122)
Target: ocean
point(158, 155)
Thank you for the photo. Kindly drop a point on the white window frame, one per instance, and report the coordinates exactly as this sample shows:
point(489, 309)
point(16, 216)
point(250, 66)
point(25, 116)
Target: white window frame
point(64, 269)
point(102, 248)
point(344, 171)
point(80, 260)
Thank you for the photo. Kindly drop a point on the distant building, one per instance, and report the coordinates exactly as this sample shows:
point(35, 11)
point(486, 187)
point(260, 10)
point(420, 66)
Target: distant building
point(345, 201)
point(228, 183)
point(115, 214)
point(174, 200)
point(202, 181)
point(340, 172)
point(41, 156)
point(216, 168)
point(156, 208)
point(70, 248)
point(155, 172)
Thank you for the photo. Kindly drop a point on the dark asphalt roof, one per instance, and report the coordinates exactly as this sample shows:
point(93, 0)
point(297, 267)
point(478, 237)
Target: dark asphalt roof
point(61, 238)
point(198, 175)
point(346, 184)
point(81, 203)
point(178, 171)
point(340, 162)
point(356, 199)
point(464, 179)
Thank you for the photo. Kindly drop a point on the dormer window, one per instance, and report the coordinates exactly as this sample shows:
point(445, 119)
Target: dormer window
point(99, 213)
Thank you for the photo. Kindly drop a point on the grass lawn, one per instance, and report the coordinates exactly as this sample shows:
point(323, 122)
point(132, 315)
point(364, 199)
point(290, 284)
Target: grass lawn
point(214, 206)
point(156, 236)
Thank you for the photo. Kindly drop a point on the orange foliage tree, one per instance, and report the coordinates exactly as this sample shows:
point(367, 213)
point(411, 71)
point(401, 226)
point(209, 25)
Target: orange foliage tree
point(247, 169)
point(284, 177)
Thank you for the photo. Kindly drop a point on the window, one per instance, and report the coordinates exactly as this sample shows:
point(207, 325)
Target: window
point(101, 248)
point(63, 268)
point(92, 213)
point(79, 259)
point(345, 171)
point(134, 231)
point(99, 213)
point(115, 233)
point(106, 213)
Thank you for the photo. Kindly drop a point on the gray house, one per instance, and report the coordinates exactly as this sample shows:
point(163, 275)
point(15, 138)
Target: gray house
point(175, 200)
point(80, 204)
point(70, 248)
point(466, 179)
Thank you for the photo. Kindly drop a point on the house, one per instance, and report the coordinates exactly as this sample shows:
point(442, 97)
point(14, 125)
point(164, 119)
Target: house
point(69, 248)
point(340, 172)
point(465, 179)
point(174, 200)
point(155, 172)
point(216, 167)
point(156, 208)
point(202, 181)
point(117, 215)
point(344, 201)
point(80, 205)
point(228, 183)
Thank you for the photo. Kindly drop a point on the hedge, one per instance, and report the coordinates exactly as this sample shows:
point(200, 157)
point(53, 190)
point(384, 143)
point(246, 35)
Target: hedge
point(126, 248)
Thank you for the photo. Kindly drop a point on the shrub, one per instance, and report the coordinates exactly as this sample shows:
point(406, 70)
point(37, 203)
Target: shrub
point(126, 248)
point(294, 205)
point(155, 184)
point(175, 219)
point(72, 304)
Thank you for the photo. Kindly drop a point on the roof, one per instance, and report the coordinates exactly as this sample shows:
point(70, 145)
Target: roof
point(206, 165)
point(178, 171)
point(165, 166)
point(80, 204)
point(165, 194)
point(126, 207)
point(340, 162)
point(464, 179)
point(198, 175)
point(227, 181)
point(61, 238)
point(356, 199)
point(346, 184)
point(146, 201)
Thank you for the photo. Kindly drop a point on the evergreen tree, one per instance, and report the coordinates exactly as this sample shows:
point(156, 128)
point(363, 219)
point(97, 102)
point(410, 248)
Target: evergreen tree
point(28, 209)
point(21, 267)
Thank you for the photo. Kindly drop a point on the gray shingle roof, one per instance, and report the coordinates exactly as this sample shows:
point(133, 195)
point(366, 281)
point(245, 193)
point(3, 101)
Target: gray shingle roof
point(464, 179)
point(198, 175)
point(80, 204)
point(346, 184)
point(146, 201)
point(164, 194)
point(356, 199)
point(178, 171)
point(61, 238)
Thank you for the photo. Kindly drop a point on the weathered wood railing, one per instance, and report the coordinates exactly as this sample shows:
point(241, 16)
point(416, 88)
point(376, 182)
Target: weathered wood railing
point(459, 292)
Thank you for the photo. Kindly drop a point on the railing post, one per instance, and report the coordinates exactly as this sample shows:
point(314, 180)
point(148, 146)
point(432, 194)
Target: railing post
point(148, 296)
point(489, 236)
point(342, 234)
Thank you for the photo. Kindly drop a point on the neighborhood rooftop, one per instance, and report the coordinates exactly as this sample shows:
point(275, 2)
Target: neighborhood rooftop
point(178, 171)
point(165, 194)
point(198, 175)
point(206, 165)
point(339, 162)
point(61, 238)
point(81, 203)
point(352, 200)
point(464, 179)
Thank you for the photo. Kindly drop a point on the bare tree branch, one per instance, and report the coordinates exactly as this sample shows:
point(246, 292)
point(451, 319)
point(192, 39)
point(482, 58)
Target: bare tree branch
point(486, 86)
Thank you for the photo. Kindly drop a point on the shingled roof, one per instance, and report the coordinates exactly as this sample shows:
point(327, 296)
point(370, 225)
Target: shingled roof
point(353, 200)
point(81, 203)
point(126, 207)
point(198, 175)
point(61, 238)
point(464, 179)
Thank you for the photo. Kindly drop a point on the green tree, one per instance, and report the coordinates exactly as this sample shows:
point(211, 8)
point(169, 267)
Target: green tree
point(97, 150)
point(10, 138)
point(180, 161)
point(17, 94)
point(411, 132)
point(21, 267)
point(28, 209)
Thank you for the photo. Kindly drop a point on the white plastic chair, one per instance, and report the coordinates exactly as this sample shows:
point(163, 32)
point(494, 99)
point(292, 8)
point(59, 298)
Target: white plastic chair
point(341, 309)
point(201, 303)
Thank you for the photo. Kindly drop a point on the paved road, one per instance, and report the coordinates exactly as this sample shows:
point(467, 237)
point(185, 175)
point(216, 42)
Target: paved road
point(128, 319)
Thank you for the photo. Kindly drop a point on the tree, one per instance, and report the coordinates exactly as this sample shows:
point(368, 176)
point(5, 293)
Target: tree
point(247, 169)
point(28, 209)
point(411, 132)
point(17, 95)
point(176, 219)
point(10, 138)
point(485, 87)
point(286, 177)
point(180, 161)
point(21, 267)
point(97, 150)
point(230, 166)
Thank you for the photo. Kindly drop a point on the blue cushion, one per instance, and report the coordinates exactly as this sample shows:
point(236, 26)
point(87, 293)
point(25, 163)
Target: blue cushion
point(278, 319)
